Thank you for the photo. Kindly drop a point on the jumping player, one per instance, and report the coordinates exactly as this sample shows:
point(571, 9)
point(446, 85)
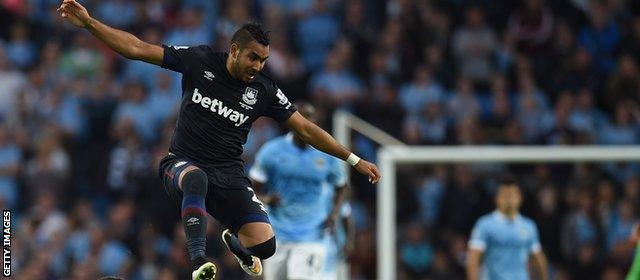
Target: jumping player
point(222, 95)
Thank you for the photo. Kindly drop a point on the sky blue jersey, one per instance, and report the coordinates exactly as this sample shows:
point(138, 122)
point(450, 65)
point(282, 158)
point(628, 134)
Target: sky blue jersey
point(506, 244)
point(304, 179)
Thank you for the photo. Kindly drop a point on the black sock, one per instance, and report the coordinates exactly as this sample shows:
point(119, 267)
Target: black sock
point(199, 261)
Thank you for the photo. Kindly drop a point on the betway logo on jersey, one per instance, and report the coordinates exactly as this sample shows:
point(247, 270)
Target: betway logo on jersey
point(217, 106)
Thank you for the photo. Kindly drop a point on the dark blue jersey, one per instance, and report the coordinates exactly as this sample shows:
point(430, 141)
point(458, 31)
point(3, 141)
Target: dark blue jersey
point(217, 110)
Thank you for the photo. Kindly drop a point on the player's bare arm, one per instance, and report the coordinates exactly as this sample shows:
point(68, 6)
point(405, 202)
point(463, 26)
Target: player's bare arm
point(124, 43)
point(323, 141)
point(339, 197)
point(473, 264)
point(540, 262)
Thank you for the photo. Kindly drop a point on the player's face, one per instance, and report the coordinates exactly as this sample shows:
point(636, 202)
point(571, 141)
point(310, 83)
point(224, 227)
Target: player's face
point(509, 199)
point(249, 60)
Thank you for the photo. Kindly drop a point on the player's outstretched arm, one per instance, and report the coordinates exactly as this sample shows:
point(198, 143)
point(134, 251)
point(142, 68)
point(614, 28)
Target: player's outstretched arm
point(120, 41)
point(323, 141)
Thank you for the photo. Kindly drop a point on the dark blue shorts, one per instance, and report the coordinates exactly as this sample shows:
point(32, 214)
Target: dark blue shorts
point(230, 198)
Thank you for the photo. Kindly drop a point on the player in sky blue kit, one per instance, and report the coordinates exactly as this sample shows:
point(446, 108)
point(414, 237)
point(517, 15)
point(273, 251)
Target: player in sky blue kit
point(222, 95)
point(504, 240)
point(304, 189)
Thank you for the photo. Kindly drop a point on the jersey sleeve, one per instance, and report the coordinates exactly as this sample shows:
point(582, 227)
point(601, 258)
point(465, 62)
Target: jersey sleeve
point(258, 171)
point(479, 236)
point(337, 176)
point(180, 58)
point(280, 108)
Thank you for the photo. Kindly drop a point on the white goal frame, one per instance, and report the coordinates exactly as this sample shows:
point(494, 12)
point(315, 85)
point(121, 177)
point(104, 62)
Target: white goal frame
point(392, 152)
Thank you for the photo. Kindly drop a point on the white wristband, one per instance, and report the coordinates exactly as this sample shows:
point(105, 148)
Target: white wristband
point(353, 159)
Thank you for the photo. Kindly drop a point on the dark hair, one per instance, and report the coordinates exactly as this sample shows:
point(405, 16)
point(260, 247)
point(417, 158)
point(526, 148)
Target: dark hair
point(508, 180)
point(250, 32)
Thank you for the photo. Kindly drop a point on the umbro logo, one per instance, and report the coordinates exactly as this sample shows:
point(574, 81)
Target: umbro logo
point(209, 76)
point(193, 221)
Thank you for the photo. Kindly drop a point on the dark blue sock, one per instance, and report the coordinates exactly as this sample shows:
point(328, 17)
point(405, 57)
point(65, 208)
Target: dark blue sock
point(194, 213)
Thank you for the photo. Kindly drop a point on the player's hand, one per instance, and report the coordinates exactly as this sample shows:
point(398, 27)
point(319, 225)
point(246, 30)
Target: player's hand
point(329, 223)
point(369, 169)
point(74, 12)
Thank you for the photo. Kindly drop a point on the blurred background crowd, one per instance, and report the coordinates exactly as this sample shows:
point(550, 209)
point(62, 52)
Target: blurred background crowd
point(82, 129)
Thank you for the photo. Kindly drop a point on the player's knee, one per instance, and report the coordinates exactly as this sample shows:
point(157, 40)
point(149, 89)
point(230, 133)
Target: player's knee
point(195, 182)
point(265, 249)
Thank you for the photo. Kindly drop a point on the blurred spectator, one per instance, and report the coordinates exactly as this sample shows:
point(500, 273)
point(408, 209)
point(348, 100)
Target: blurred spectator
point(624, 83)
point(135, 111)
point(619, 229)
point(128, 161)
point(81, 130)
point(20, 50)
point(163, 100)
point(234, 16)
point(423, 90)
point(11, 81)
point(191, 31)
point(631, 43)
point(415, 252)
point(463, 103)
point(429, 195)
point(585, 117)
point(82, 60)
point(581, 230)
point(117, 13)
point(473, 45)
point(336, 86)
point(621, 130)
point(532, 26)
point(464, 201)
point(316, 32)
point(10, 158)
point(601, 38)
point(142, 71)
point(48, 170)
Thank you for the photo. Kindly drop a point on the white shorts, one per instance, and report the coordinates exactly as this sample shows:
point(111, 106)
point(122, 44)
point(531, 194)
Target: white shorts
point(342, 270)
point(298, 261)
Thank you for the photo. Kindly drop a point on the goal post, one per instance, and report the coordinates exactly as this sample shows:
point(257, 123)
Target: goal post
point(390, 156)
point(393, 152)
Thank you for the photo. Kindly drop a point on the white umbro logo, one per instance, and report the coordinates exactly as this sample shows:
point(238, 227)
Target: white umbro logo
point(193, 221)
point(181, 163)
point(209, 76)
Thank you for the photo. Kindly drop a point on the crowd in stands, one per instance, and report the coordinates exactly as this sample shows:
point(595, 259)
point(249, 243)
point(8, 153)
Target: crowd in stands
point(82, 129)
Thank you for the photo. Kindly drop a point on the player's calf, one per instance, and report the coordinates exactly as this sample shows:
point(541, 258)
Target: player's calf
point(194, 188)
